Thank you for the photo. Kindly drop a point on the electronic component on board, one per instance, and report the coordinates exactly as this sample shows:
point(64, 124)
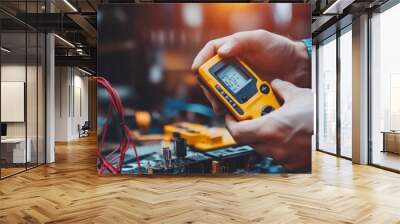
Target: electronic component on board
point(238, 87)
point(149, 168)
point(167, 156)
point(214, 167)
point(199, 136)
point(180, 147)
point(159, 159)
point(233, 158)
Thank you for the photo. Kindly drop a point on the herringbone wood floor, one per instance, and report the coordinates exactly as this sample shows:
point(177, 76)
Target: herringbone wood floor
point(70, 191)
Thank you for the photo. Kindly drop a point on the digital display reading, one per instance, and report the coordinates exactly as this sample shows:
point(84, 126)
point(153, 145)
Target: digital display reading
point(233, 78)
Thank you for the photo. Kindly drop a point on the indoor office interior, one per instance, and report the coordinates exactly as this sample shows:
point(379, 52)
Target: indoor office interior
point(24, 87)
point(22, 99)
point(25, 49)
point(333, 72)
point(49, 124)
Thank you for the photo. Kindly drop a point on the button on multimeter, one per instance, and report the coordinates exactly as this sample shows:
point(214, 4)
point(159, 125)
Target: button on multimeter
point(264, 88)
point(230, 101)
point(267, 110)
point(240, 111)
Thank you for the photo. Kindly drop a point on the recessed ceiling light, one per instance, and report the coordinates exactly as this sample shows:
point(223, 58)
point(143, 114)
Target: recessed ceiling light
point(65, 41)
point(84, 71)
point(70, 5)
point(5, 50)
point(338, 6)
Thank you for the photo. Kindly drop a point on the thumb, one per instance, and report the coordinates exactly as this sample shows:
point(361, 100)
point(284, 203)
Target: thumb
point(283, 88)
point(218, 109)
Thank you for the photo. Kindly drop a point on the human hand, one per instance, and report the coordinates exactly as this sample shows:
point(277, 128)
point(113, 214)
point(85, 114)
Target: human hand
point(270, 55)
point(284, 134)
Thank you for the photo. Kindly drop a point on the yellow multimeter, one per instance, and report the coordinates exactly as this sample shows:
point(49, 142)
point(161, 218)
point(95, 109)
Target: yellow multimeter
point(238, 87)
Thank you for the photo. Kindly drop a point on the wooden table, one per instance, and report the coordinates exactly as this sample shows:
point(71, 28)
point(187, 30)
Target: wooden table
point(391, 141)
point(13, 150)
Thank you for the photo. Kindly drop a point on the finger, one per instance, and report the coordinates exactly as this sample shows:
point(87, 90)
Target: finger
point(284, 89)
point(294, 157)
point(264, 149)
point(241, 42)
point(275, 150)
point(230, 121)
point(207, 52)
point(236, 44)
point(299, 154)
point(216, 105)
point(262, 129)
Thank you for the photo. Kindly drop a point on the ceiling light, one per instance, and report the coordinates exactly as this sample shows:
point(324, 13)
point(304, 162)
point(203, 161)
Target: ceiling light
point(5, 50)
point(65, 41)
point(337, 7)
point(84, 71)
point(70, 5)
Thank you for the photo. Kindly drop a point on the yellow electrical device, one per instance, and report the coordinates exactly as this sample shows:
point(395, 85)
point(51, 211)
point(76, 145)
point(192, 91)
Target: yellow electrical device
point(238, 87)
point(199, 136)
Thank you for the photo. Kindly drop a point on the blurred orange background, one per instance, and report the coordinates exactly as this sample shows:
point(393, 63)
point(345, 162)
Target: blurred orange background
point(146, 50)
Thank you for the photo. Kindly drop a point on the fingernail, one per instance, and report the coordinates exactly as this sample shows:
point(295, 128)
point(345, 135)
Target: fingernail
point(195, 63)
point(276, 81)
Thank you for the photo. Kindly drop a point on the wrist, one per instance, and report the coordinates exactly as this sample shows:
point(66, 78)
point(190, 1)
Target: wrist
point(301, 51)
point(301, 72)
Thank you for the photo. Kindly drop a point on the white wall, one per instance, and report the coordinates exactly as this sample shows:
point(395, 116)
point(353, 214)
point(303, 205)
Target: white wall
point(16, 73)
point(12, 73)
point(61, 103)
point(80, 111)
point(71, 94)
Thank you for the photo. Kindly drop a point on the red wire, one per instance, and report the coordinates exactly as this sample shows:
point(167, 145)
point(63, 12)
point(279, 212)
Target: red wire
point(126, 140)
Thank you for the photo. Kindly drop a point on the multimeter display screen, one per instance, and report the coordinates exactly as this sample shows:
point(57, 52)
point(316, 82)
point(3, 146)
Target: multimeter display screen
point(233, 78)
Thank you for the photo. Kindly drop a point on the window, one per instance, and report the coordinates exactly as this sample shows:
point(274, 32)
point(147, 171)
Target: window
point(385, 89)
point(327, 97)
point(346, 93)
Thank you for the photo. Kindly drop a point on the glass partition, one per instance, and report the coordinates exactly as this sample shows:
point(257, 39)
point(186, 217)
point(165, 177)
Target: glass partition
point(22, 88)
point(14, 153)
